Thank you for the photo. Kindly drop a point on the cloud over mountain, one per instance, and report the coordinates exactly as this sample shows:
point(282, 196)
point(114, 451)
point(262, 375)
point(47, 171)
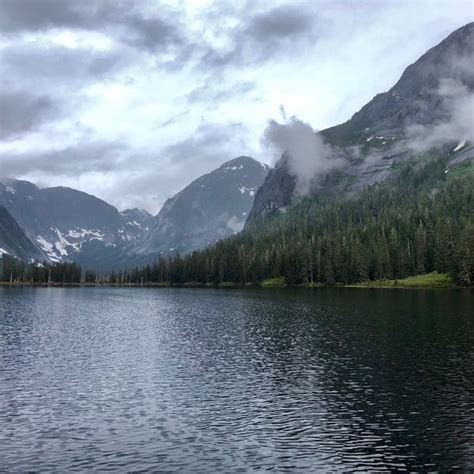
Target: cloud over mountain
point(113, 97)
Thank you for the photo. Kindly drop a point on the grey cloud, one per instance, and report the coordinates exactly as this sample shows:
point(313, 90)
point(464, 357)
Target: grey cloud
point(207, 142)
point(33, 15)
point(149, 33)
point(98, 156)
point(211, 91)
point(174, 119)
point(159, 29)
point(281, 23)
point(264, 35)
point(123, 19)
point(56, 74)
point(43, 63)
point(22, 112)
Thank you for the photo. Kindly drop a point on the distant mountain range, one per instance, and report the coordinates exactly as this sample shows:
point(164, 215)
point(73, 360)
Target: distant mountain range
point(60, 224)
point(64, 223)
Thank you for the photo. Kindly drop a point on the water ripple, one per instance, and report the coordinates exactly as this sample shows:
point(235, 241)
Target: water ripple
point(234, 381)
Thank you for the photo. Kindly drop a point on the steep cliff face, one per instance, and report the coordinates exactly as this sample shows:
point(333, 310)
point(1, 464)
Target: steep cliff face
point(417, 98)
point(381, 134)
point(275, 193)
point(13, 240)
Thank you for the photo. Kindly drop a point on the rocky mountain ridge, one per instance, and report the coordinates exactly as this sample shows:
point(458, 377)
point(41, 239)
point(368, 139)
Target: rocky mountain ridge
point(419, 111)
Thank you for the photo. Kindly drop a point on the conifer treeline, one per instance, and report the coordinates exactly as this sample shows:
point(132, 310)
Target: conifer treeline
point(418, 221)
point(17, 271)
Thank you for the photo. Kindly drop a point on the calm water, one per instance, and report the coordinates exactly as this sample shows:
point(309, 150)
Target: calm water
point(222, 381)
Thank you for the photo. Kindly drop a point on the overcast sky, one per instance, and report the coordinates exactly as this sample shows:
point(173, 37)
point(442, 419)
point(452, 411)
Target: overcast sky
point(132, 100)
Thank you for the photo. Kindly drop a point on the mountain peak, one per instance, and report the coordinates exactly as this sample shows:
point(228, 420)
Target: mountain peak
point(212, 207)
point(242, 162)
point(136, 211)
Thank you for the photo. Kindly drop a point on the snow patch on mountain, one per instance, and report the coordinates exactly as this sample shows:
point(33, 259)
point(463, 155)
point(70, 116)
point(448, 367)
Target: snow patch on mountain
point(48, 248)
point(81, 233)
point(67, 243)
point(234, 168)
point(61, 245)
point(244, 190)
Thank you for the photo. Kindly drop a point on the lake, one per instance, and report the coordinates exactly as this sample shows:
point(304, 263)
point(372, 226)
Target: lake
point(203, 380)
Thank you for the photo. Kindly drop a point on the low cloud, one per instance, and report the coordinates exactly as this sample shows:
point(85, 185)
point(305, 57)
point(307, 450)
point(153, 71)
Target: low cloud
point(458, 101)
point(303, 149)
point(235, 224)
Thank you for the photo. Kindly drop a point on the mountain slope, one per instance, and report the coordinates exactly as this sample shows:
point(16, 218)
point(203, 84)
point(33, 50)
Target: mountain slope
point(211, 208)
point(394, 125)
point(13, 240)
point(66, 224)
point(135, 222)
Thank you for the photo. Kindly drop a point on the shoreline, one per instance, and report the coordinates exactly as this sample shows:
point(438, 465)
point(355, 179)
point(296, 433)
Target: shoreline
point(227, 286)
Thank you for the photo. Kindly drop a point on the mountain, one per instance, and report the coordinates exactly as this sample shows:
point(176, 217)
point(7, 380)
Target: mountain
point(66, 224)
point(13, 240)
point(63, 224)
point(383, 133)
point(134, 223)
point(211, 208)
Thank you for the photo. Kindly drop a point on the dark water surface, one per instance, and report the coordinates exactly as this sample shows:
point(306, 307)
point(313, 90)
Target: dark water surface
point(204, 380)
